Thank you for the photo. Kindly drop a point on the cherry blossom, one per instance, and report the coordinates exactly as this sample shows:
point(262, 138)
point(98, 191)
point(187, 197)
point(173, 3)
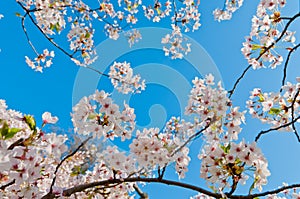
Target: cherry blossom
point(222, 163)
point(39, 164)
point(121, 75)
point(275, 108)
point(212, 105)
point(265, 30)
point(97, 114)
point(133, 36)
point(226, 13)
point(48, 118)
point(42, 61)
point(176, 44)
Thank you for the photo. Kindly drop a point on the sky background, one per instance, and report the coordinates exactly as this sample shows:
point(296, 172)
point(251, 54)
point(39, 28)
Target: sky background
point(62, 85)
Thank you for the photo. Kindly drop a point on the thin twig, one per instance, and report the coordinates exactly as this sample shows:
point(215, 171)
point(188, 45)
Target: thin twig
point(190, 139)
point(8, 184)
point(26, 34)
point(293, 116)
point(275, 129)
point(286, 64)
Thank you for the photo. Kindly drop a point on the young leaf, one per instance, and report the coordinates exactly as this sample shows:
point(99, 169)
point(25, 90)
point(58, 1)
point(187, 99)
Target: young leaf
point(30, 121)
point(6, 132)
point(274, 111)
point(11, 133)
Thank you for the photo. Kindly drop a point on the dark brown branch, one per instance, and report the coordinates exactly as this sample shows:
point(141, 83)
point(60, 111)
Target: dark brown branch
point(83, 187)
point(79, 188)
point(275, 129)
point(8, 184)
point(286, 64)
point(19, 142)
point(233, 186)
point(238, 81)
point(276, 191)
point(293, 116)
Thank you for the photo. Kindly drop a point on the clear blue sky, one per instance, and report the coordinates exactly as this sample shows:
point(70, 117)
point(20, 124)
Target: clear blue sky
point(55, 89)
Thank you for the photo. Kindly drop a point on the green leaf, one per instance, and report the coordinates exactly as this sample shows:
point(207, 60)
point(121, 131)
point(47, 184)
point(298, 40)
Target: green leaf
point(87, 35)
point(6, 132)
point(55, 27)
point(92, 116)
point(261, 98)
point(274, 111)
point(11, 133)
point(255, 47)
point(76, 170)
point(225, 149)
point(51, 27)
point(30, 121)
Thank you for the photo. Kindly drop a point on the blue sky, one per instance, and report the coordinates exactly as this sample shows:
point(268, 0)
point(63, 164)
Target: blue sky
point(57, 88)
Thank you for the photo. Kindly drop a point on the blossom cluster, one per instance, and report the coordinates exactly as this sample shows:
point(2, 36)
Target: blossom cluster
point(187, 16)
point(81, 39)
point(265, 32)
point(176, 44)
point(276, 109)
point(230, 7)
point(153, 149)
point(122, 78)
point(28, 155)
point(117, 16)
point(42, 61)
point(213, 109)
point(157, 11)
point(34, 159)
point(133, 36)
point(201, 196)
point(50, 16)
point(29, 160)
point(53, 17)
point(99, 116)
point(226, 164)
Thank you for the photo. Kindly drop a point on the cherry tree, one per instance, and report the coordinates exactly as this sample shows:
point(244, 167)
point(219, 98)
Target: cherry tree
point(36, 163)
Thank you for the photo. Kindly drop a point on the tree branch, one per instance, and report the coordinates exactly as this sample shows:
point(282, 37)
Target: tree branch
point(275, 129)
point(286, 64)
point(79, 188)
point(8, 184)
point(83, 187)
